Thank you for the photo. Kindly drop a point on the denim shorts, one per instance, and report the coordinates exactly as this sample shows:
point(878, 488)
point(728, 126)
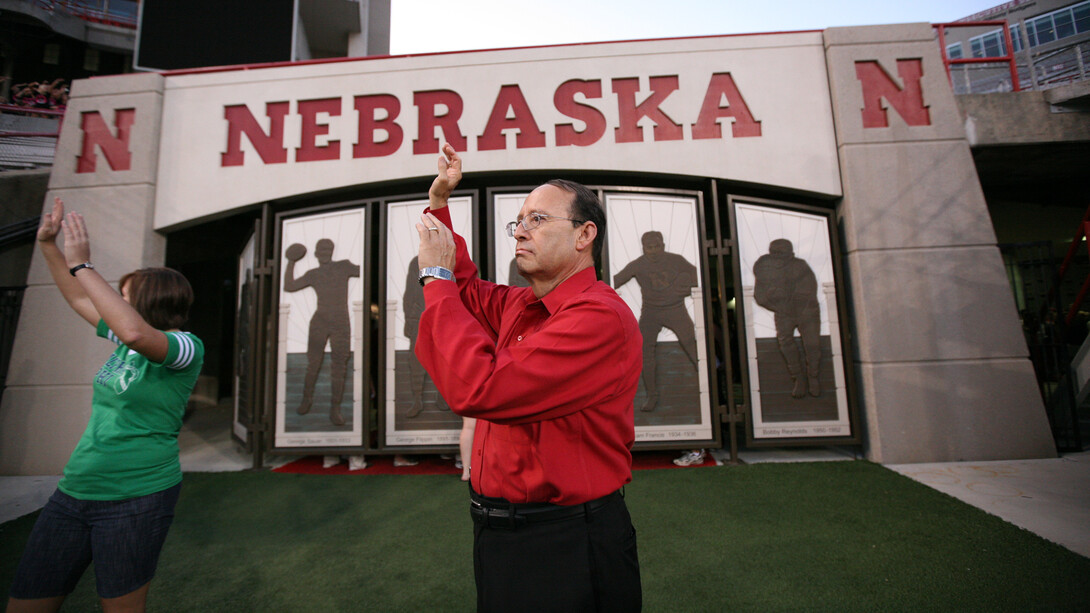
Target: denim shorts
point(122, 537)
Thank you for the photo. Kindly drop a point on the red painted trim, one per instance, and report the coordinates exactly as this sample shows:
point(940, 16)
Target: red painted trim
point(21, 134)
point(998, 59)
point(15, 109)
point(967, 24)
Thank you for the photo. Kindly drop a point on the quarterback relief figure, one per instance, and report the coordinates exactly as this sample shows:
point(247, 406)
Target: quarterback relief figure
point(330, 322)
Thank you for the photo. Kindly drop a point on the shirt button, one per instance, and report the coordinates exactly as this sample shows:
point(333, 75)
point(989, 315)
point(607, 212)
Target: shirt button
point(520, 338)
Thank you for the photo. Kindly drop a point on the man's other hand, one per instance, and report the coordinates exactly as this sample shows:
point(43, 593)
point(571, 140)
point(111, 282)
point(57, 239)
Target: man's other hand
point(436, 243)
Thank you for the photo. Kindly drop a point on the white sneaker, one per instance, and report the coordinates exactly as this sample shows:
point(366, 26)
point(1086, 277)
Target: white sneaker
point(690, 458)
point(357, 462)
point(330, 461)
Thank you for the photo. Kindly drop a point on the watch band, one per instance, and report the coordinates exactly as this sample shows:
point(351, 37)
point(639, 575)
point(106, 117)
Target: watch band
point(435, 271)
point(72, 271)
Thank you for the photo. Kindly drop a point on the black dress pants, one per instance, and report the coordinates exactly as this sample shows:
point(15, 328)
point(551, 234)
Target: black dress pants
point(571, 565)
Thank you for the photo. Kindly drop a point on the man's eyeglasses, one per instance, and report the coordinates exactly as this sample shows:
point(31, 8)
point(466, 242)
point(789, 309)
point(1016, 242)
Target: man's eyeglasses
point(533, 220)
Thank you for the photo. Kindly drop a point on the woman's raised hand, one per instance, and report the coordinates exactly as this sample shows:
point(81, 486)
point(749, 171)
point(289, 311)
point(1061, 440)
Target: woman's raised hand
point(77, 246)
point(51, 222)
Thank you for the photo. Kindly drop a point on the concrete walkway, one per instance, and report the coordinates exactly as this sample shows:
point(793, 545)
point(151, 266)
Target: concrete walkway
point(1050, 498)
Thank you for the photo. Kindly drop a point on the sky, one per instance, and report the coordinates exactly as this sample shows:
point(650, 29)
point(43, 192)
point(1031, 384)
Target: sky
point(426, 26)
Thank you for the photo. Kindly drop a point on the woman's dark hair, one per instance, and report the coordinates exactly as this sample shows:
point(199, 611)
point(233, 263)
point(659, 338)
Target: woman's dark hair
point(585, 207)
point(162, 296)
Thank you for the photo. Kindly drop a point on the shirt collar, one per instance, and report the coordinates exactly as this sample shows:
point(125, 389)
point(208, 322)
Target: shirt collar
point(572, 286)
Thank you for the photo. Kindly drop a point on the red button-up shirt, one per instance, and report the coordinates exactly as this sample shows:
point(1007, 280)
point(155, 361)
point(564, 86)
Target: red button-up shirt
point(552, 381)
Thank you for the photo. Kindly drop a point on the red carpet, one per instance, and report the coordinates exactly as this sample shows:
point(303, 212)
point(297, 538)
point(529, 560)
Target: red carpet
point(433, 465)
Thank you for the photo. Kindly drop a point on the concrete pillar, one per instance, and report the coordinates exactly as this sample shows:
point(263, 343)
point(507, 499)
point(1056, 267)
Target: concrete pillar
point(48, 399)
point(941, 362)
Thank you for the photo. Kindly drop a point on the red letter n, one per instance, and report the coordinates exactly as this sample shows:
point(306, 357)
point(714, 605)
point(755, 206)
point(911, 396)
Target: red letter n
point(877, 84)
point(97, 134)
point(269, 146)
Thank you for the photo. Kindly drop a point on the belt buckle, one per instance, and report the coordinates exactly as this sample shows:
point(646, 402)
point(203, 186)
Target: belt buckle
point(501, 519)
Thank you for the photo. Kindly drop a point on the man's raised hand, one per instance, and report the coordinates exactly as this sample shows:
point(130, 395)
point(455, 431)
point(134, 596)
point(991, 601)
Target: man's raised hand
point(450, 174)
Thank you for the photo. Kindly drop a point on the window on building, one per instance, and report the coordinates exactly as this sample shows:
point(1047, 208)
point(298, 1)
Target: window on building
point(1058, 24)
point(988, 45)
point(1046, 31)
point(953, 51)
point(127, 8)
point(1065, 24)
point(1081, 15)
point(51, 54)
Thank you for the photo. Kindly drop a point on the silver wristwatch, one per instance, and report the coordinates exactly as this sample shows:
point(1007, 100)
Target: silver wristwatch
point(435, 271)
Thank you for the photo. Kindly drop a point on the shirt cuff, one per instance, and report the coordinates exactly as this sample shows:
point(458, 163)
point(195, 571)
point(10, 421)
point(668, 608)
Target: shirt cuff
point(442, 287)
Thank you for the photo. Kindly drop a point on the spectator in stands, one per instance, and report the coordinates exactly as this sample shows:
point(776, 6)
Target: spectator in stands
point(23, 94)
point(58, 95)
point(41, 95)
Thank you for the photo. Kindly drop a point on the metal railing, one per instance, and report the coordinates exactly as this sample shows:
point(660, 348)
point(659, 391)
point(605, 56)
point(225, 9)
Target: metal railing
point(1049, 293)
point(948, 61)
point(28, 137)
point(1015, 70)
point(19, 231)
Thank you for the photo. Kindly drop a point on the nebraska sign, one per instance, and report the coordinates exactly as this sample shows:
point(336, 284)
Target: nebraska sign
point(380, 134)
point(754, 109)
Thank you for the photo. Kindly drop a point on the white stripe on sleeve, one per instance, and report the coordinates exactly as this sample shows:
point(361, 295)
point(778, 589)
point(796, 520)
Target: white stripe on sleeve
point(186, 351)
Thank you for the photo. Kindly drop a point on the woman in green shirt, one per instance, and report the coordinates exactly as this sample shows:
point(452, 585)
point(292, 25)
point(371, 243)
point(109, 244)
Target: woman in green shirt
point(116, 500)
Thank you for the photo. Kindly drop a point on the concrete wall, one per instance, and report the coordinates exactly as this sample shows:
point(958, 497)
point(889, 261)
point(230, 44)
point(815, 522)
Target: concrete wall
point(942, 366)
point(48, 399)
point(988, 119)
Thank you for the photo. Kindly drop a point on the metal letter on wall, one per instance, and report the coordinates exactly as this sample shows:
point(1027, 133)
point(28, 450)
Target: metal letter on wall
point(791, 324)
point(320, 355)
point(655, 265)
point(415, 413)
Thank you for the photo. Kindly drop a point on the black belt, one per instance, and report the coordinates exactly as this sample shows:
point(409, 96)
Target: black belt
point(498, 513)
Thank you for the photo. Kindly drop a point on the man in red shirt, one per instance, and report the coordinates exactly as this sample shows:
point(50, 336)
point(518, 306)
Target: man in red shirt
point(551, 372)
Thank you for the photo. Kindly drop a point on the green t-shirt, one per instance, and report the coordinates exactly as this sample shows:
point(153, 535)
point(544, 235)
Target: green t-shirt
point(130, 446)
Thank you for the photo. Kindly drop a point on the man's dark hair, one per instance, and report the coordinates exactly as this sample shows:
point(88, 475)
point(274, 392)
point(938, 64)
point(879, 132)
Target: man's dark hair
point(162, 296)
point(585, 207)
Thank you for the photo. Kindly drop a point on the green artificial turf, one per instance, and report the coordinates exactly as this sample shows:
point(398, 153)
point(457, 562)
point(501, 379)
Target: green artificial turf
point(833, 536)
